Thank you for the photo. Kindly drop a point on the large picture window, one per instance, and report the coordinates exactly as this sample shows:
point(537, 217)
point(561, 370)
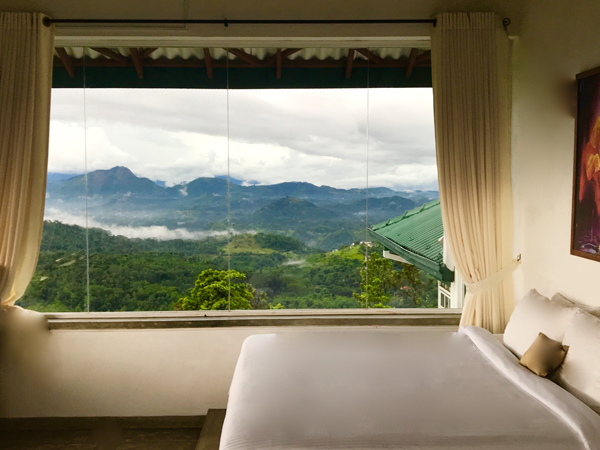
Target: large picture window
point(165, 198)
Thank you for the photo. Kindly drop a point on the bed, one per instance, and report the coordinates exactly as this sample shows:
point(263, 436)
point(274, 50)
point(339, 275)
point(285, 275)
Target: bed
point(393, 389)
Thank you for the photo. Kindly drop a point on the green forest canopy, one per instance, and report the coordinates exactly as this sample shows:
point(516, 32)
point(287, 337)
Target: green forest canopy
point(152, 275)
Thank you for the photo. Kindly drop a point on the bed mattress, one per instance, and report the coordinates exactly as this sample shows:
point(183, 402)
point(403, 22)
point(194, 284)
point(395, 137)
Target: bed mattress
point(392, 389)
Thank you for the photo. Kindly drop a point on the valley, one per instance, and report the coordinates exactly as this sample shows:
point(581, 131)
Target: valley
point(297, 245)
point(320, 216)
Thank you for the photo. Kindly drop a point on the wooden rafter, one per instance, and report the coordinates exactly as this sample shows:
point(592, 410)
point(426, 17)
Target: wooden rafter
point(272, 60)
point(66, 60)
point(278, 55)
point(241, 54)
point(349, 62)
point(424, 57)
point(137, 62)
point(242, 60)
point(289, 52)
point(147, 52)
point(412, 59)
point(422, 60)
point(111, 54)
point(208, 62)
point(371, 56)
point(313, 63)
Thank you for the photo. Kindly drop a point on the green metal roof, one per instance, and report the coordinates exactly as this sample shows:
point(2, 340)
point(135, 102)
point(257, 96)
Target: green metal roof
point(415, 237)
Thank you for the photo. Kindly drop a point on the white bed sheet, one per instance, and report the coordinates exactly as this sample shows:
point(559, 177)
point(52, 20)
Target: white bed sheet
point(392, 389)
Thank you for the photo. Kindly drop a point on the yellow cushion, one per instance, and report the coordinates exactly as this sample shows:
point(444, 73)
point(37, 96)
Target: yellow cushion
point(544, 355)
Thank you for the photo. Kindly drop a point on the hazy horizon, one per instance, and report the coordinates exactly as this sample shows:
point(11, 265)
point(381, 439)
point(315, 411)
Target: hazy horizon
point(58, 176)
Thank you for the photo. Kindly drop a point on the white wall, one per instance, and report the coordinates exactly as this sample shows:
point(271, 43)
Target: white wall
point(99, 373)
point(559, 38)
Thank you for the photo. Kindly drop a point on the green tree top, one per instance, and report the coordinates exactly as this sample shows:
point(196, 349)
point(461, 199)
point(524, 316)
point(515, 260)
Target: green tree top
point(378, 276)
point(211, 289)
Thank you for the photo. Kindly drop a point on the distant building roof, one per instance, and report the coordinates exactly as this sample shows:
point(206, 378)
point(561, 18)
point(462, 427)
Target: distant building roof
point(415, 237)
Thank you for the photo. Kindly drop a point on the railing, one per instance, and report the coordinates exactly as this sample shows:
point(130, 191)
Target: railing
point(444, 297)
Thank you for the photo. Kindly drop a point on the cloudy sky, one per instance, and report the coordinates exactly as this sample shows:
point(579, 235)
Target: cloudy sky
point(318, 136)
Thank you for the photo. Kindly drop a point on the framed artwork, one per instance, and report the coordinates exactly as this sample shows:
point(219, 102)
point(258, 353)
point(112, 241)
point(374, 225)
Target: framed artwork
point(585, 234)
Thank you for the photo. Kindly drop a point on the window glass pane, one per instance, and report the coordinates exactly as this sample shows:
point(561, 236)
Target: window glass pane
point(172, 204)
point(300, 157)
point(59, 283)
point(156, 199)
point(403, 176)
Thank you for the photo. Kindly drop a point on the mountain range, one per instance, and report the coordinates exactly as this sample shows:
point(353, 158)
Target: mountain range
point(313, 214)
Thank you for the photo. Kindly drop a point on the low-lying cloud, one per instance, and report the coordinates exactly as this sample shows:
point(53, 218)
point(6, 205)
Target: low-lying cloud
point(160, 233)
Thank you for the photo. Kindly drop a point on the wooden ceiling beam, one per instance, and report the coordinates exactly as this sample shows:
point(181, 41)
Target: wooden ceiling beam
point(137, 62)
point(67, 61)
point(111, 54)
point(371, 56)
point(209, 63)
point(351, 53)
point(412, 59)
point(241, 54)
point(278, 56)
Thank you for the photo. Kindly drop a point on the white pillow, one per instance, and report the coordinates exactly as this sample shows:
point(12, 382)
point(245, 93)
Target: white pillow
point(533, 314)
point(561, 300)
point(580, 371)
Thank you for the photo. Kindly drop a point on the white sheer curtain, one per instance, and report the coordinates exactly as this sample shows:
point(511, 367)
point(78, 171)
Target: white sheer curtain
point(26, 52)
point(471, 88)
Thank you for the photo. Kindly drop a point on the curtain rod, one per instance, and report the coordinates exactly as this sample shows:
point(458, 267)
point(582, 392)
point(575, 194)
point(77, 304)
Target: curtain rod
point(226, 22)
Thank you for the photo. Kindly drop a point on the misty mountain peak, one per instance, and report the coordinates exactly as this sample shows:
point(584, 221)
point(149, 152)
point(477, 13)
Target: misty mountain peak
point(121, 171)
point(118, 180)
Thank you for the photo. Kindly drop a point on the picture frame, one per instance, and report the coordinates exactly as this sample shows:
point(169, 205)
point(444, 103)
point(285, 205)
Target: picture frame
point(585, 222)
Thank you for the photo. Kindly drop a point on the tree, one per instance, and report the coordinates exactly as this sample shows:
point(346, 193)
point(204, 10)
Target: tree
point(409, 286)
point(146, 275)
point(211, 292)
point(378, 276)
point(259, 300)
point(412, 284)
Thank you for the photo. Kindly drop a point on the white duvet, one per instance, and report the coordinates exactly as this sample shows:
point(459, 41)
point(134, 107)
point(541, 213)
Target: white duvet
point(389, 389)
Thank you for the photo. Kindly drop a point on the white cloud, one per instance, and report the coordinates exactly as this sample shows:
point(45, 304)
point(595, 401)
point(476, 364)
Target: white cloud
point(318, 136)
point(67, 150)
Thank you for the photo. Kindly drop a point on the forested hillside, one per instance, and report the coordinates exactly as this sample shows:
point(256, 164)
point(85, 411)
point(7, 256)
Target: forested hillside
point(148, 274)
point(294, 245)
